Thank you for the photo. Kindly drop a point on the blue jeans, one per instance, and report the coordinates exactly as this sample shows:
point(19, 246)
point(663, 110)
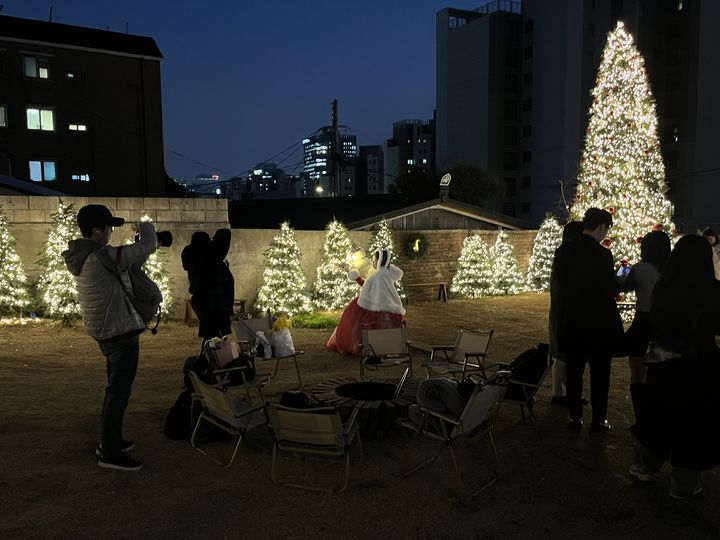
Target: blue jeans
point(122, 361)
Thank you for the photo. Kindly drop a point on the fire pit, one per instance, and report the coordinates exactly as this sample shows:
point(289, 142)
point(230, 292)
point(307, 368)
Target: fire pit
point(377, 408)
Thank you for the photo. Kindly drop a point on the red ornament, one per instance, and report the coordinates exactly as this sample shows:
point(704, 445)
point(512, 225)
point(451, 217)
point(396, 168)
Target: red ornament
point(611, 209)
point(624, 262)
point(607, 242)
point(638, 240)
point(658, 227)
point(620, 297)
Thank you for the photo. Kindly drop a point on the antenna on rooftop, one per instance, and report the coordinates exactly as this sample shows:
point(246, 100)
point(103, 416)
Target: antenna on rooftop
point(126, 27)
point(50, 17)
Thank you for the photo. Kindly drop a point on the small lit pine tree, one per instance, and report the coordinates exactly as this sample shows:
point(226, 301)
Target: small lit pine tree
point(383, 239)
point(13, 281)
point(621, 169)
point(56, 285)
point(284, 287)
point(156, 268)
point(474, 273)
point(333, 290)
point(506, 275)
point(547, 240)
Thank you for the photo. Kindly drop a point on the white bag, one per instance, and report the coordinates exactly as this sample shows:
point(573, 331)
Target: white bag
point(283, 343)
point(262, 346)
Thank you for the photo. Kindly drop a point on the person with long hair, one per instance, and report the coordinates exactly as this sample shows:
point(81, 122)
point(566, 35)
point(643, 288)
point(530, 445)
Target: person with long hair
point(654, 253)
point(714, 240)
point(571, 230)
point(679, 418)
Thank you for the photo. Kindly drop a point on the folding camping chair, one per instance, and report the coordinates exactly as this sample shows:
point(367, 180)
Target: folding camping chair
point(384, 347)
point(221, 357)
point(528, 371)
point(246, 330)
point(476, 419)
point(317, 431)
point(224, 409)
point(466, 356)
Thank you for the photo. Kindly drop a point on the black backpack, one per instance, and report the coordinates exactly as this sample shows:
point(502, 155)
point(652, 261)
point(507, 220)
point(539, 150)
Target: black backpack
point(528, 368)
point(178, 420)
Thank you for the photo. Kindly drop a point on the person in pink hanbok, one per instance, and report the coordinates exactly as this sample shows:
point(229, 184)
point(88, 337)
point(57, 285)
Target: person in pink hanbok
point(377, 306)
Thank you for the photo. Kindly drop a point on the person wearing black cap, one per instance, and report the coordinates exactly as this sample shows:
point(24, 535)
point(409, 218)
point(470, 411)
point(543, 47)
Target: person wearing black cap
point(110, 318)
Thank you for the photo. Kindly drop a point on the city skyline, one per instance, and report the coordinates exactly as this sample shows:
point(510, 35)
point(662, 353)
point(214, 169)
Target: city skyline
point(379, 64)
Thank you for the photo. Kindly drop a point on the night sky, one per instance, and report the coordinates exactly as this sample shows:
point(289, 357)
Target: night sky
point(244, 79)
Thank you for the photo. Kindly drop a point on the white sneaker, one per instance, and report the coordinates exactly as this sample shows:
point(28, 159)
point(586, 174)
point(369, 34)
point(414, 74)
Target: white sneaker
point(641, 472)
point(698, 489)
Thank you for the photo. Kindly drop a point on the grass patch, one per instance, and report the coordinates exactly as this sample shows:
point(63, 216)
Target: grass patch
point(316, 320)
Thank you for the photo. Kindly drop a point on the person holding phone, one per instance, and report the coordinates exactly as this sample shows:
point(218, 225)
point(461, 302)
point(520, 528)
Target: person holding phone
point(641, 278)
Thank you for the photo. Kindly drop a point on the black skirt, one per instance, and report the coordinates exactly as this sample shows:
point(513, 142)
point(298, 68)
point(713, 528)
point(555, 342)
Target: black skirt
point(638, 335)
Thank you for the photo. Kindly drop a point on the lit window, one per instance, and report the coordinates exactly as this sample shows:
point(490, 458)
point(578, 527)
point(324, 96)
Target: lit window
point(81, 177)
point(77, 127)
point(679, 5)
point(42, 171)
point(3, 116)
point(70, 75)
point(37, 67)
point(410, 162)
point(424, 161)
point(43, 119)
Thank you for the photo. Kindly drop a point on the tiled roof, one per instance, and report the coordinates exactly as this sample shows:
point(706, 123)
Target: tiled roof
point(314, 214)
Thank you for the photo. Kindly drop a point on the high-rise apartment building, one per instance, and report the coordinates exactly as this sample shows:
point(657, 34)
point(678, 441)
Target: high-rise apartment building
point(317, 162)
point(538, 61)
point(411, 149)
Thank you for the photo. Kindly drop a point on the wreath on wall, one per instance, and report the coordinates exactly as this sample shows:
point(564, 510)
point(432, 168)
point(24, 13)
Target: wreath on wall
point(415, 245)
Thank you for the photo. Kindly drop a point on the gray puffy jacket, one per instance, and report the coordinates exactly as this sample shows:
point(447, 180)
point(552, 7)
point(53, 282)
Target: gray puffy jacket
point(107, 311)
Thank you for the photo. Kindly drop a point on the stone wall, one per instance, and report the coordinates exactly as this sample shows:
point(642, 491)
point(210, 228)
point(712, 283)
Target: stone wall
point(30, 221)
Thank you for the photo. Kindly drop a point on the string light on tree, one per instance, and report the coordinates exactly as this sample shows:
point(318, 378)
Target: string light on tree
point(473, 277)
point(621, 169)
point(383, 239)
point(332, 288)
point(284, 287)
point(547, 240)
point(14, 295)
point(56, 285)
point(506, 277)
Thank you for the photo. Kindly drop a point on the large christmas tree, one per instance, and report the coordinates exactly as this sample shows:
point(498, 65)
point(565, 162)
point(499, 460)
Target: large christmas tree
point(13, 281)
point(284, 287)
point(547, 240)
point(332, 288)
point(621, 168)
point(56, 285)
point(473, 277)
point(506, 277)
point(383, 239)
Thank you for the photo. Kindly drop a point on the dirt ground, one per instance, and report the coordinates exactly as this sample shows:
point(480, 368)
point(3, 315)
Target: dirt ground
point(556, 484)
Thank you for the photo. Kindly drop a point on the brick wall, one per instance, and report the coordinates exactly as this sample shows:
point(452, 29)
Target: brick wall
point(443, 249)
point(30, 221)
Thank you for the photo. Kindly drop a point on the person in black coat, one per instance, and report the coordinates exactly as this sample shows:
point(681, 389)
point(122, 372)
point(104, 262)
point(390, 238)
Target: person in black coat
point(211, 283)
point(590, 328)
point(571, 230)
point(682, 402)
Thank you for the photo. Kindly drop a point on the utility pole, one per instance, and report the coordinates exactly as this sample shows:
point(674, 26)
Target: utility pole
point(336, 152)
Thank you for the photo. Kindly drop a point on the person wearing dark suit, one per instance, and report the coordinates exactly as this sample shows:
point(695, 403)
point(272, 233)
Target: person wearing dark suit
point(590, 329)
